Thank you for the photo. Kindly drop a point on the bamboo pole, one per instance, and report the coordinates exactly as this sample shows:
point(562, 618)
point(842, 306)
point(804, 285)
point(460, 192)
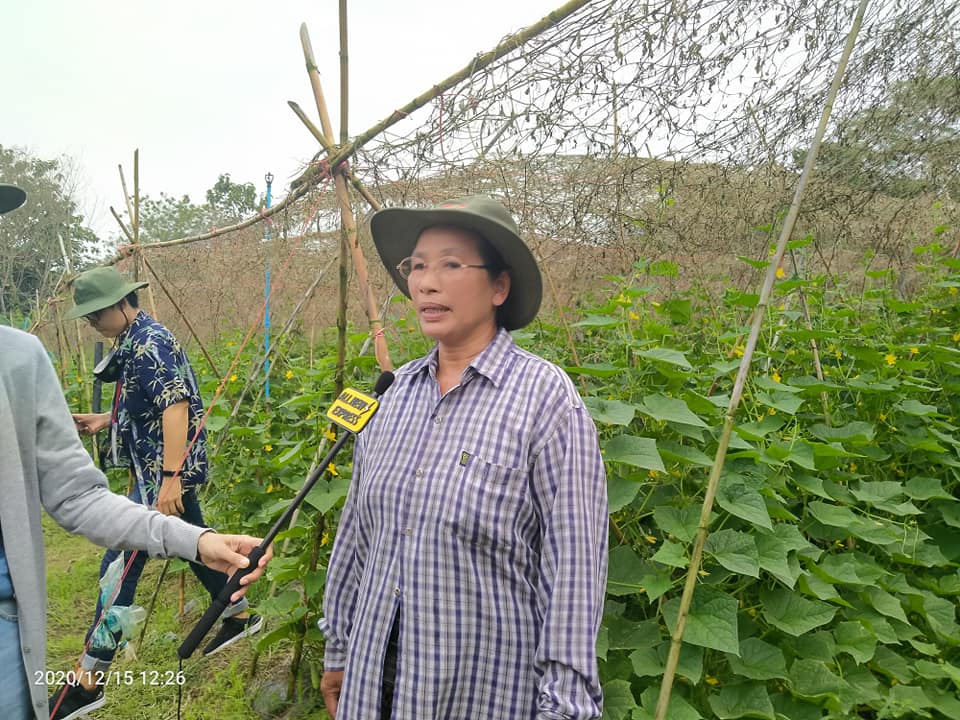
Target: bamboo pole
point(817, 365)
point(86, 390)
point(480, 62)
point(126, 195)
point(311, 174)
point(676, 642)
point(318, 134)
point(346, 214)
point(123, 225)
point(151, 301)
point(344, 75)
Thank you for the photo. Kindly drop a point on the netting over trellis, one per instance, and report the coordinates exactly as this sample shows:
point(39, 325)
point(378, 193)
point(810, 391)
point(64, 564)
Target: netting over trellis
point(647, 130)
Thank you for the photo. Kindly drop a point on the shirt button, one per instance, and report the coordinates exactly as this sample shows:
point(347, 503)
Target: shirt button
point(436, 420)
point(408, 531)
point(396, 591)
point(419, 472)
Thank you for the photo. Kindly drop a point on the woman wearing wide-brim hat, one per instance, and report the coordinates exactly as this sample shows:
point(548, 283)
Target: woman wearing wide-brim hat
point(469, 568)
point(156, 419)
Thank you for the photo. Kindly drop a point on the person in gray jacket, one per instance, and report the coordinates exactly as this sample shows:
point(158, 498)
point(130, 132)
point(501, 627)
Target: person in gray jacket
point(44, 464)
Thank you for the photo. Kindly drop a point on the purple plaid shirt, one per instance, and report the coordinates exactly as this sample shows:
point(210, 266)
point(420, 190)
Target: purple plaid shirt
point(479, 519)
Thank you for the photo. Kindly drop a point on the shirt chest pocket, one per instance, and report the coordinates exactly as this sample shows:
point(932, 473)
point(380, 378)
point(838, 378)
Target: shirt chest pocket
point(487, 503)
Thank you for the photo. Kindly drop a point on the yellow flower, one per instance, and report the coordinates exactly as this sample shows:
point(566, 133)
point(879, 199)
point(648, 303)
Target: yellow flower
point(289, 374)
point(329, 434)
point(634, 316)
point(956, 336)
point(332, 469)
point(780, 273)
point(890, 358)
point(738, 350)
point(655, 303)
point(324, 539)
point(270, 488)
point(233, 378)
point(775, 376)
point(268, 448)
point(653, 473)
point(772, 411)
point(914, 351)
point(230, 343)
point(883, 417)
point(711, 680)
point(853, 467)
point(837, 354)
point(650, 539)
point(621, 298)
point(953, 290)
point(703, 573)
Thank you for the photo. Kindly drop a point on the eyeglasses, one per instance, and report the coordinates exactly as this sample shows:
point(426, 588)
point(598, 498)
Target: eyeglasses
point(446, 267)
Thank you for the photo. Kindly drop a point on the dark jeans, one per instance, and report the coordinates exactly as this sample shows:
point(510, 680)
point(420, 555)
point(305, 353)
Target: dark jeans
point(212, 580)
point(390, 670)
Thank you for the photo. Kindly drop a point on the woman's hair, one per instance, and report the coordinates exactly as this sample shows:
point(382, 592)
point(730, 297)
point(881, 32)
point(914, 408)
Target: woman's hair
point(495, 265)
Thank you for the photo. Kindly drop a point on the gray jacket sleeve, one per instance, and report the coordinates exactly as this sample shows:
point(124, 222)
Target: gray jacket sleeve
point(75, 493)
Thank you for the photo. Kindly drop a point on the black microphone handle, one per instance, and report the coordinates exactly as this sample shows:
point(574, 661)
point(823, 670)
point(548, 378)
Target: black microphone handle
point(220, 603)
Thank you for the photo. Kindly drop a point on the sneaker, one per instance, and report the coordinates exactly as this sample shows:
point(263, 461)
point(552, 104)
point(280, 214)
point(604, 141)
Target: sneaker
point(77, 701)
point(232, 630)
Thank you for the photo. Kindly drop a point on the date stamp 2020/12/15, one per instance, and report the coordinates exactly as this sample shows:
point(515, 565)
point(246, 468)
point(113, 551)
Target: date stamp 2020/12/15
point(110, 677)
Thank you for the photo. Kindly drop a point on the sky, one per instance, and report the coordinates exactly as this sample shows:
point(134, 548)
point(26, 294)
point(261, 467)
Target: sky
point(201, 87)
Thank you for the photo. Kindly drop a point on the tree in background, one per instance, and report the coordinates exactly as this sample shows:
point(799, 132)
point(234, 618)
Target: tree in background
point(906, 146)
point(231, 202)
point(33, 240)
point(169, 218)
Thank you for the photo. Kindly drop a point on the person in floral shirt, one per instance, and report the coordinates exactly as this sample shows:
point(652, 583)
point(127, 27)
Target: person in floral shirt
point(155, 427)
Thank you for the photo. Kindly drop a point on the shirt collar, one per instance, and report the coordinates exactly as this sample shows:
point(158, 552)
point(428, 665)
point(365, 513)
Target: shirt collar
point(136, 324)
point(491, 363)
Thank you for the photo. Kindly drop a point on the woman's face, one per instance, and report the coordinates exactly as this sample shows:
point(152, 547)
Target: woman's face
point(109, 322)
point(456, 305)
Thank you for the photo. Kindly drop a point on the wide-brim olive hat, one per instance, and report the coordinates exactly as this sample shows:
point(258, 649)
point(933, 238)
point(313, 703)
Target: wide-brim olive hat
point(396, 230)
point(11, 197)
point(99, 288)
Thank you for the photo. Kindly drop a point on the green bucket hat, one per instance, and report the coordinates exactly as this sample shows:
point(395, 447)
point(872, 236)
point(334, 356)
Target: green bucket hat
point(97, 289)
point(11, 197)
point(396, 230)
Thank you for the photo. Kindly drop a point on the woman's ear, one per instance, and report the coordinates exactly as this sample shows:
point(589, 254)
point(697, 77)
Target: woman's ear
point(501, 287)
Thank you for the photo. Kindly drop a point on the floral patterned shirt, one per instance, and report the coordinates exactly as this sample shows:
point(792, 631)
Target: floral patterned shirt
point(155, 375)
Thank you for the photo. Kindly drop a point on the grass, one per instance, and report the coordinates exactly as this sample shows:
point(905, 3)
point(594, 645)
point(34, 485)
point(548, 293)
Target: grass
point(219, 687)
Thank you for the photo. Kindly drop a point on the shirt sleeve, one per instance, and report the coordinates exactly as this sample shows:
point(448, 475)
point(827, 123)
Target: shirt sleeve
point(343, 580)
point(570, 480)
point(158, 367)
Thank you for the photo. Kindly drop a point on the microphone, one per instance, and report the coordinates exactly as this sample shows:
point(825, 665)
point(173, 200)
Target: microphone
point(351, 410)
